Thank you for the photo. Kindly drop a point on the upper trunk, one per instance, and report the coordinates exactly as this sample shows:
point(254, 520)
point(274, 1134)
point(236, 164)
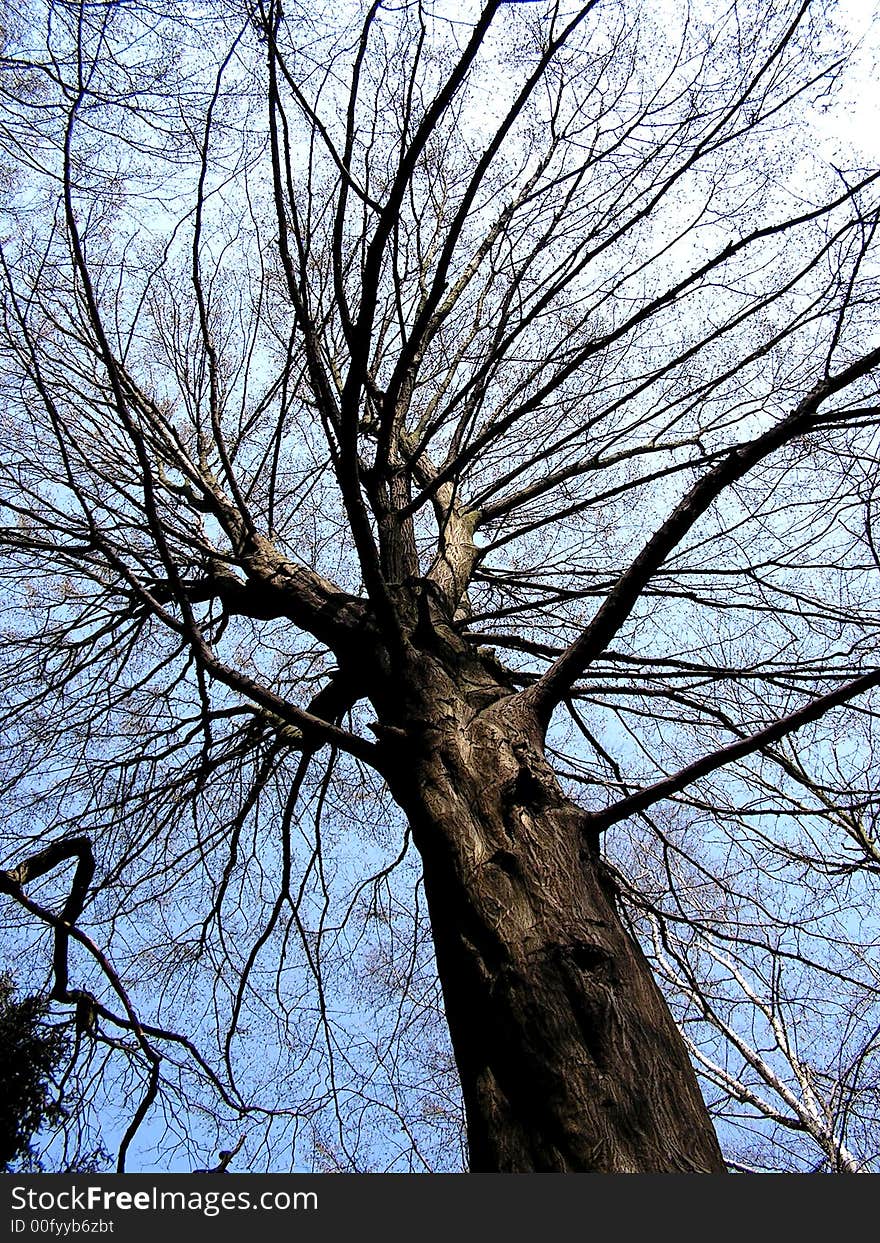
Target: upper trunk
point(569, 1058)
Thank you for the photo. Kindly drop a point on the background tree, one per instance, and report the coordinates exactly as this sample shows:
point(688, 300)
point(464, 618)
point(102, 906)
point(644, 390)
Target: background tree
point(451, 429)
point(30, 1054)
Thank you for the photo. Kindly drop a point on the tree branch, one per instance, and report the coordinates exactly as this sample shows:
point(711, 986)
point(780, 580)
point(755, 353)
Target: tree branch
point(277, 588)
point(641, 801)
point(557, 681)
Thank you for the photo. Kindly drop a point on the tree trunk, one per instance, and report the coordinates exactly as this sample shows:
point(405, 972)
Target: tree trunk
point(569, 1058)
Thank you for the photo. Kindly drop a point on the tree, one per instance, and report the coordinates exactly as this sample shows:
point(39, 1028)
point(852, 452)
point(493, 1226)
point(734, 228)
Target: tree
point(454, 427)
point(31, 1055)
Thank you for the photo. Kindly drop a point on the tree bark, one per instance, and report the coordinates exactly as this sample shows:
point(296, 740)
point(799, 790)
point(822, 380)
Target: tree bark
point(569, 1058)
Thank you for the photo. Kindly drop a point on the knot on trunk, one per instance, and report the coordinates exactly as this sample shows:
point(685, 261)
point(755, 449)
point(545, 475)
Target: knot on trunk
point(525, 795)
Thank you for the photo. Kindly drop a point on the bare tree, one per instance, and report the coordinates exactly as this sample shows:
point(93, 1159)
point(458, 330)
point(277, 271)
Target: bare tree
point(447, 428)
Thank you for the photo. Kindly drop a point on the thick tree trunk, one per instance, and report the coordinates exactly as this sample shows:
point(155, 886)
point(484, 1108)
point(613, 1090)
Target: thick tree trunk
point(568, 1055)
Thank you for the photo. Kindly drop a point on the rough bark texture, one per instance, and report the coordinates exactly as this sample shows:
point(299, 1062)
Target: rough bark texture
point(569, 1058)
